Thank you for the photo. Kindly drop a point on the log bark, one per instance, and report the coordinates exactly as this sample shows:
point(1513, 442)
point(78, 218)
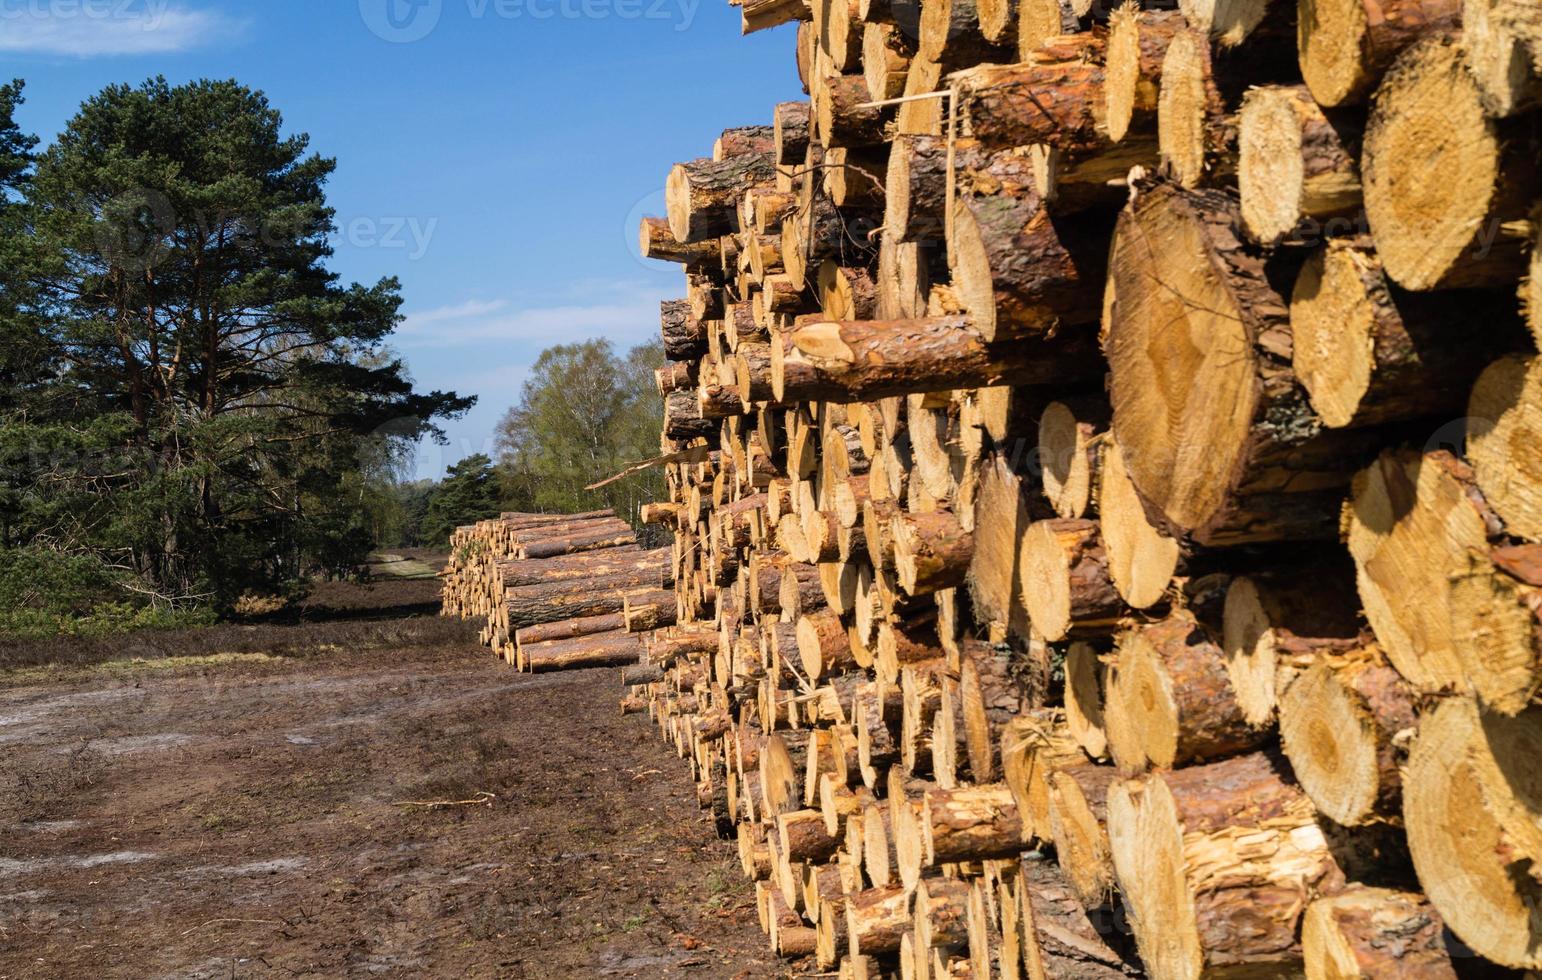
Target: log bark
point(886, 54)
point(970, 823)
point(1469, 849)
point(1368, 352)
point(866, 360)
point(844, 113)
point(616, 649)
point(586, 564)
point(1066, 582)
point(992, 694)
point(685, 333)
point(790, 132)
point(645, 612)
point(1217, 863)
point(1457, 217)
point(1297, 168)
point(1370, 933)
point(1247, 460)
point(683, 419)
point(876, 919)
point(1347, 45)
point(823, 647)
point(1346, 725)
point(596, 540)
point(1504, 415)
point(1174, 699)
point(569, 629)
point(1412, 521)
point(1496, 607)
point(1019, 270)
point(932, 551)
point(533, 605)
point(702, 196)
point(657, 241)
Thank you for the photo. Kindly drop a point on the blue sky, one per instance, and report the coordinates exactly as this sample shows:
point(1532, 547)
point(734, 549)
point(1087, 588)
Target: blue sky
point(494, 154)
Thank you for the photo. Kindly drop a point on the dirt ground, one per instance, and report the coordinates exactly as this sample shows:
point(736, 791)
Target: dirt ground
point(223, 811)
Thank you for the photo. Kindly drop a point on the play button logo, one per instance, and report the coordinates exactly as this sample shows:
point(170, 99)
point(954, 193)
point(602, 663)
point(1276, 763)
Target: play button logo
point(401, 21)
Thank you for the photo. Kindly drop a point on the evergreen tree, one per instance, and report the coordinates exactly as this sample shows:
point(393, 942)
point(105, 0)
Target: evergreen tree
point(212, 395)
point(467, 494)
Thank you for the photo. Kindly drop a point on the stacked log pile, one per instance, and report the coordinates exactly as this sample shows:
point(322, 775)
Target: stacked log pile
point(559, 591)
point(1080, 573)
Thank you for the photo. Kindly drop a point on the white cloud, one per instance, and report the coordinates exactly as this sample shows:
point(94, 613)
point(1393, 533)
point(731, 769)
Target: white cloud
point(629, 316)
point(94, 28)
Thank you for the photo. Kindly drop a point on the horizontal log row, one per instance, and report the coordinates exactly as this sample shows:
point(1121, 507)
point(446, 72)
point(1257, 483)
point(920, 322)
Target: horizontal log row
point(560, 591)
point(1080, 572)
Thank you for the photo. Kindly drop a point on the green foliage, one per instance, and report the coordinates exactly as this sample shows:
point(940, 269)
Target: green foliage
point(469, 493)
point(187, 394)
point(583, 415)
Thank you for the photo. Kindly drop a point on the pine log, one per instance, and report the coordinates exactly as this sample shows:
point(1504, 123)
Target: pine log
point(1503, 39)
point(761, 15)
point(1370, 933)
point(970, 823)
point(823, 646)
point(1471, 849)
point(645, 612)
point(844, 112)
point(1297, 169)
point(533, 605)
point(1457, 217)
point(1504, 423)
point(803, 836)
point(657, 241)
point(1232, 452)
point(1137, 44)
point(1412, 521)
point(1279, 616)
point(595, 540)
point(886, 54)
point(683, 419)
point(702, 196)
point(1196, 129)
point(1039, 22)
point(586, 564)
point(675, 376)
point(865, 360)
point(1368, 352)
point(1066, 582)
point(1085, 676)
point(1496, 608)
point(941, 914)
point(1142, 560)
point(790, 132)
point(1347, 45)
point(915, 184)
point(1346, 724)
point(615, 649)
point(1001, 518)
point(1070, 453)
point(1057, 937)
point(568, 629)
point(991, 695)
point(876, 919)
point(931, 551)
point(1019, 270)
point(1078, 820)
point(1173, 699)
point(685, 334)
point(1034, 746)
point(1216, 864)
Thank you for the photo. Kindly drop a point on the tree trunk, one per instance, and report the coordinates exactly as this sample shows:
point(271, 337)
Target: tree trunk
point(702, 196)
point(876, 919)
point(1412, 521)
point(616, 649)
point(1137, 44)
point(1034, 746)
point(657, 241)
point(568, 629)
point(1217, 863)
point(866, 360)
point(1078, 820)
point(596, 540)
point(1345, 725)
point(931, 551)
point(1505, 414)
point(533, 605)
point(1370, 933)
point(970, 823)
point(1232, 454)
point(1065, 581)
point(1297, 169)
point(1457, 216)
point(585, 564)
point(1347, 45)
point(1142, 560)
point(1173, 700)
point(648, 611)
point(685, 333)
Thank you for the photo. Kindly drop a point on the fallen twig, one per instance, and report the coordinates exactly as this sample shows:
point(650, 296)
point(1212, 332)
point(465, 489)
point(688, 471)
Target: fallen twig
point(483, 798)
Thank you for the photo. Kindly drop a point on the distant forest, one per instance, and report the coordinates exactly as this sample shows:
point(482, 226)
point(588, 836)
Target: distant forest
point(194, 409)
